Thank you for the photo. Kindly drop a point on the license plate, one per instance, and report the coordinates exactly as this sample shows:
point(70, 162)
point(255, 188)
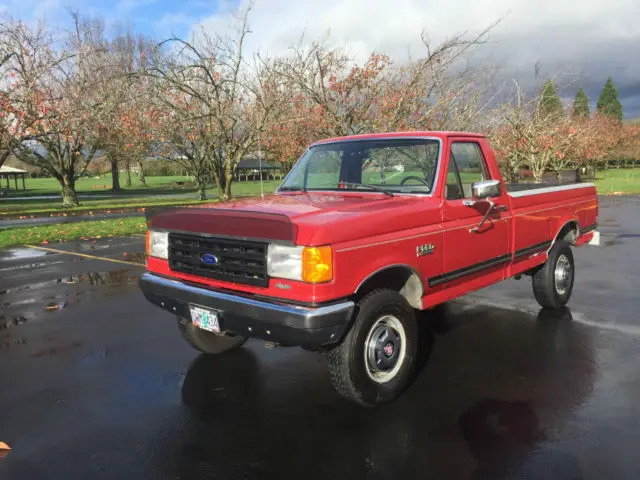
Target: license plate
point(205, 319)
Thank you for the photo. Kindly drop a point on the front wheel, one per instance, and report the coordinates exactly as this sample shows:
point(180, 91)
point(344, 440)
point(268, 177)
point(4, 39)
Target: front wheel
point(376, 360)
point(208, 342)
point(553, 283)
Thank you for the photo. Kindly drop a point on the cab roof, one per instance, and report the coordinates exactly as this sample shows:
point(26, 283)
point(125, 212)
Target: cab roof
point(437, 134)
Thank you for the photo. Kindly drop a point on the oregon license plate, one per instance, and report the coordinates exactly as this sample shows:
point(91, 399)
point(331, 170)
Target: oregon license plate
point(205, 319)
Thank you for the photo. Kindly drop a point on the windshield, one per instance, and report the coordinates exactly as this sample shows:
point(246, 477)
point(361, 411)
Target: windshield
point(388, 165)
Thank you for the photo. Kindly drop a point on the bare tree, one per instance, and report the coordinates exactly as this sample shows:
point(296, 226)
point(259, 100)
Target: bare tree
point(217, 95)
point(127, 110)
point(26, 56)
point(63, 105)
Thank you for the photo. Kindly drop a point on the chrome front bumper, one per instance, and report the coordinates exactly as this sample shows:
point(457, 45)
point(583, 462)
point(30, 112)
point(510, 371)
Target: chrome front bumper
point(282, 323)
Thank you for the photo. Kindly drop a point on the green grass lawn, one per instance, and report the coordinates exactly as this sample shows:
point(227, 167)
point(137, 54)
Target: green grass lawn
point(618, 180)
point(155, 186)
point(607, 181)
point(161, 191)
point(58, 233)
point(102, 185)
point(42, 208)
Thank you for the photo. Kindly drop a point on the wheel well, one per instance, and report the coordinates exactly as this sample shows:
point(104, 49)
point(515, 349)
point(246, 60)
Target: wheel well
point(568, 232)
point(401, 279)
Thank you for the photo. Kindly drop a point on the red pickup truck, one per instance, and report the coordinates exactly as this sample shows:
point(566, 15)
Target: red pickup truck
point(364, 232)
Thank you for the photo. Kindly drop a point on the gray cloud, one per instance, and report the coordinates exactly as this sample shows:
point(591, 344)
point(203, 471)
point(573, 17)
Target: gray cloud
point(575, 58)
point(581, 42)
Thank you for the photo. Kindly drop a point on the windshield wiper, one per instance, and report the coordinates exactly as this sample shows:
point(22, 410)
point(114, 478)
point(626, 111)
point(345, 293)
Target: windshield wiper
point(372, 187)
point(292, 188)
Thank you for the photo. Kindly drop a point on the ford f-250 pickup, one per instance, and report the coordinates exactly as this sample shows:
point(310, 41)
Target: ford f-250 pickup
point(364, 232)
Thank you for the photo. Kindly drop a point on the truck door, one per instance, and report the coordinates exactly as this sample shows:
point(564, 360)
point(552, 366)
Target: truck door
point(479, 255)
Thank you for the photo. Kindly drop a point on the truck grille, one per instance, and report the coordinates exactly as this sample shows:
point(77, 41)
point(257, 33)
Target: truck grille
point(239, 261)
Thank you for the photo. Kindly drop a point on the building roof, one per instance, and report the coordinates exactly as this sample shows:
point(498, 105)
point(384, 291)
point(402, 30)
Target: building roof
point(7, 169)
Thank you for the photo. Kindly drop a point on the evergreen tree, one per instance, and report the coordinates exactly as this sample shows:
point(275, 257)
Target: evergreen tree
point(608, 103)
point(550, 106)
point(581, 105)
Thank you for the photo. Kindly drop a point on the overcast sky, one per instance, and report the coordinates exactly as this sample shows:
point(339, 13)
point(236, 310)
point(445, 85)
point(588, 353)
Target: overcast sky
point(582, 41)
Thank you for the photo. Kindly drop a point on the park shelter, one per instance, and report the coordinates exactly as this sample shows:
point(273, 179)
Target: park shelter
point(8, 173)
point(249, 169)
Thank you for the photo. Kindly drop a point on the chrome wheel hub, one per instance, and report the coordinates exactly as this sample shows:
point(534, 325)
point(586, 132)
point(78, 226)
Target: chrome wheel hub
point(385, 349)
point(563, 274)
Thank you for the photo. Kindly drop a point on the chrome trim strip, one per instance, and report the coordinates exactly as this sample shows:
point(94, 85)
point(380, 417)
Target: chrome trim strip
point(285, 309)
point(559, 188)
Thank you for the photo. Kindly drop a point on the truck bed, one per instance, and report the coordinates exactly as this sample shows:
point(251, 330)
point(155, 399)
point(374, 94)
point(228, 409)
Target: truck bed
point(541, 210)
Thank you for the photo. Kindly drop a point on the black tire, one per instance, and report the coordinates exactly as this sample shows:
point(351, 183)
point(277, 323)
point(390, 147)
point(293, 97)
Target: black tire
point(348, 364)
point(208, 342)
point(550, 292)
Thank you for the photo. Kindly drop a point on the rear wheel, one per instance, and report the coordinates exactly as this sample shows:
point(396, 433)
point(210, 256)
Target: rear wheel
point(553, 283)
point(376, 360)
point(208, 342)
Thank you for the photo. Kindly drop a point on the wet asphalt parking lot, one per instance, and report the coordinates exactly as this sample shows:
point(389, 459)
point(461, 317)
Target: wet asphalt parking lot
point(96, 383)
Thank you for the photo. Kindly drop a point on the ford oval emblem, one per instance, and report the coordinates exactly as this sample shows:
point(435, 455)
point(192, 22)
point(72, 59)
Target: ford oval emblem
point(209, 259)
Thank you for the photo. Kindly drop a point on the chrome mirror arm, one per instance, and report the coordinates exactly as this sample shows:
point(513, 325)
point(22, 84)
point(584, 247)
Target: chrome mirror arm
point(486, 215)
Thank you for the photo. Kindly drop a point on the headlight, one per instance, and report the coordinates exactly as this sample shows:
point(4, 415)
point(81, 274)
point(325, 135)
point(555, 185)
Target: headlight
point(306, 264)
point(158, 244)
point(284, 262)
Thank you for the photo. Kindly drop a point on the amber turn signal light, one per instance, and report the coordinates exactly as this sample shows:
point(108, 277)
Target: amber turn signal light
point(317, 264)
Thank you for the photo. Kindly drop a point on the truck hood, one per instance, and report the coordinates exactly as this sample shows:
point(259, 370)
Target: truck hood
point(305, 218)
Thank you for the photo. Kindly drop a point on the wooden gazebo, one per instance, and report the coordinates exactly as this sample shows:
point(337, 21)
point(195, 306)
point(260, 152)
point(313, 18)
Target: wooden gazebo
point(11, 172)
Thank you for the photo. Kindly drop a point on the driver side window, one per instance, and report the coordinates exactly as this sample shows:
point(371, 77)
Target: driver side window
point(466, 166)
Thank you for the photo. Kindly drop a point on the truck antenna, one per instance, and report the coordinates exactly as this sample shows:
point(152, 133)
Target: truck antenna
point(260, 163)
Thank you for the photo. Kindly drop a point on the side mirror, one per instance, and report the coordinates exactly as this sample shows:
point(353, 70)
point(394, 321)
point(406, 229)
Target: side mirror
point(486, 189)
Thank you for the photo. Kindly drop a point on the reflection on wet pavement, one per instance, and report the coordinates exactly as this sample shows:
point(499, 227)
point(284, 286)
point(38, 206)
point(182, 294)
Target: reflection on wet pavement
point(488, 405)
point(136, 257)
point(28, 302)
point(21, 253)
point(106, 387)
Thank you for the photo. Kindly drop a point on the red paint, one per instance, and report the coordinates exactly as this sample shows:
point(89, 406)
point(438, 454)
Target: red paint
point(370, 231)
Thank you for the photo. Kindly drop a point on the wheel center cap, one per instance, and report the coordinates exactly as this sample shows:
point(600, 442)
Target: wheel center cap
point(388, 349)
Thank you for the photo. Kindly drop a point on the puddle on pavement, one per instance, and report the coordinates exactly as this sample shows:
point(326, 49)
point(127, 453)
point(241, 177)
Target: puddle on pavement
point(42, 300)
point(136, 257)
point(30, 266)
point(6, 323)
point(112, 277)
point(22, 253)
point(93, 246)
point(7, 343)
